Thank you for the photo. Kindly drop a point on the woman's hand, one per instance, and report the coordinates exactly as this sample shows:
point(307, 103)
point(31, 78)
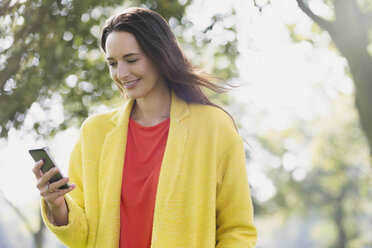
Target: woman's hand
point(51, 193)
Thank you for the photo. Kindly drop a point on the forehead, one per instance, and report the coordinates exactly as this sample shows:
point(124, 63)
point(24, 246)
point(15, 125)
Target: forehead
point(119, 43)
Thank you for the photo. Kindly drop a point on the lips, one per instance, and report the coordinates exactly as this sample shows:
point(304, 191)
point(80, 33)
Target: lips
point(131, 84)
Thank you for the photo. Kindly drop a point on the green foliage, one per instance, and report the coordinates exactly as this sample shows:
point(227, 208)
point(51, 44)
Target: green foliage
point(365, 5)
point(337, 183)
point(51, 42)
point(52, 47)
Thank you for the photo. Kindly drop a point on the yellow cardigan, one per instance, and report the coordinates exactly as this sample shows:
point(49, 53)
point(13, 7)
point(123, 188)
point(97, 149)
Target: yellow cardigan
point(203, 198)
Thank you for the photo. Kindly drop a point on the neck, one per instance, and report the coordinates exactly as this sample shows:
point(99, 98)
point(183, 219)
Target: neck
point(152, 110)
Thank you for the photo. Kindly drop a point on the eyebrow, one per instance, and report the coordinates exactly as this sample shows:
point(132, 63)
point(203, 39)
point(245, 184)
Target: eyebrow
point(125, 56)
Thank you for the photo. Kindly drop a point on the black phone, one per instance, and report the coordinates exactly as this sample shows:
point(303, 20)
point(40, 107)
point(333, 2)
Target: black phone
point(42, 153)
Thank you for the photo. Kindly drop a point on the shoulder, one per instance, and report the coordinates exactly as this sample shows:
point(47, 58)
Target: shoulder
point(212, 119)
point(208, 112)
point(100, 120)
point(211, 115)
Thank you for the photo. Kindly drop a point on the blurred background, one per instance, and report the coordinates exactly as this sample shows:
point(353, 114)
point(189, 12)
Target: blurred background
point(304, 104)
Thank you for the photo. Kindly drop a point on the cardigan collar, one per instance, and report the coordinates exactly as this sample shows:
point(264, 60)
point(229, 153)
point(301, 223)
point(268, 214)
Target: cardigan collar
point(179, 110)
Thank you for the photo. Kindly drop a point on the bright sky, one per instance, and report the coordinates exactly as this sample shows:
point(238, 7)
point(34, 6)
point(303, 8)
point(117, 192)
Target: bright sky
point(280, 79)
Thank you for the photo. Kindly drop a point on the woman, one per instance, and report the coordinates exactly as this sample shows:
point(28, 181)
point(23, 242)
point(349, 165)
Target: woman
point(165, 170)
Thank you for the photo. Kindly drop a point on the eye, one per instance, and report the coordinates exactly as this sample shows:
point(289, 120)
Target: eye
point(111, 64)
point(131, 61)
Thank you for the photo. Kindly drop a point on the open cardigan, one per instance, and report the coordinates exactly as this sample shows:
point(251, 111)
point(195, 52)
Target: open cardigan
point(203, 198)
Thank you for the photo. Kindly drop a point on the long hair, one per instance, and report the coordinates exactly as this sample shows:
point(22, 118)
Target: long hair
point(158, 42)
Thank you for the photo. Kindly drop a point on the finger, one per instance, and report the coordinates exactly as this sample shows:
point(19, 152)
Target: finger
point(36, 170)
point(49, 197)
point(44, 180)
point(55, 186)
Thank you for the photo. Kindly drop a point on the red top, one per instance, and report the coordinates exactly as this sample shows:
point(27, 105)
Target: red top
point(143, 157)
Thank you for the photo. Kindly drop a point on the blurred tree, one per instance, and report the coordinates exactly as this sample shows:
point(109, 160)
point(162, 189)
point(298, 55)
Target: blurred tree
point(349, 28)
point(52, 47)
point(334, 186)
point(37, 234)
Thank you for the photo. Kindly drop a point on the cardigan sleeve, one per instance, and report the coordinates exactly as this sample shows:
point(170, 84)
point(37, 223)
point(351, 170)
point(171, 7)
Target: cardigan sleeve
point(75, 233)
point(234, 210)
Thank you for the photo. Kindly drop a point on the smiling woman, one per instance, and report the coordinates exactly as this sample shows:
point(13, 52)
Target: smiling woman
point(132, 70)
point(165, 170)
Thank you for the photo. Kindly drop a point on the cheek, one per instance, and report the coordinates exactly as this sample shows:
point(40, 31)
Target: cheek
point(150, 70)
point(113, 74)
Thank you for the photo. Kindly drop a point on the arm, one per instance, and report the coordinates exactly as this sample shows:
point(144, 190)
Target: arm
point(234, 215)
point(52, 195)
point(75, 232)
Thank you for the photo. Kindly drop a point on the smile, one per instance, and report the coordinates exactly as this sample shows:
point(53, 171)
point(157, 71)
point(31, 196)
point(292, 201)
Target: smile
point(131, 84)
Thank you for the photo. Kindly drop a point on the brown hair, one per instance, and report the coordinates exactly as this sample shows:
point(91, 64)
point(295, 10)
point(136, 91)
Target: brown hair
point(158, 42)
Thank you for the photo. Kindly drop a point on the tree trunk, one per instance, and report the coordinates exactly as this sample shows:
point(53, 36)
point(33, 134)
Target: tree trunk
point(349, 31)
point(38, 236)
point(339, 217)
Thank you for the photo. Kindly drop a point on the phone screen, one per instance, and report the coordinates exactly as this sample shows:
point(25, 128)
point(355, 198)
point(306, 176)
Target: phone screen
point(42, 153)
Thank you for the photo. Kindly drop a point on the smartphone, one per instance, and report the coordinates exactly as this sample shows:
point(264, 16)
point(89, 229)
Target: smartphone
point(42, 153)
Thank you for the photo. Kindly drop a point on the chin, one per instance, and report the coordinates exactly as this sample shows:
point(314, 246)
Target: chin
point(134, 95)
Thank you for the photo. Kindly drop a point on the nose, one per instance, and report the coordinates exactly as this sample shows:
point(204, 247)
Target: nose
point(122, 71)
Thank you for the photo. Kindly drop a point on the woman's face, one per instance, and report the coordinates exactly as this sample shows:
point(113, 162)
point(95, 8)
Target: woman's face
point(131, 69)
